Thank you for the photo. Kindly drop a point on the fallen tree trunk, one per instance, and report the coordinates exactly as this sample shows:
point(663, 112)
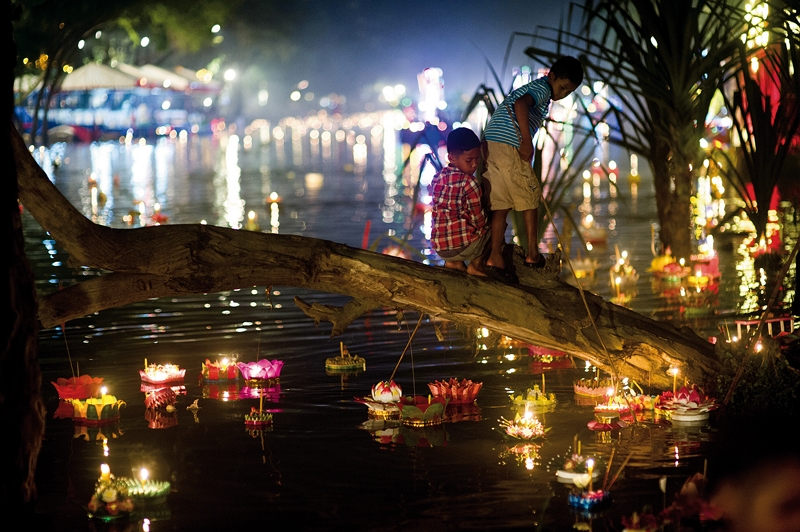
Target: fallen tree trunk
point(171, 260)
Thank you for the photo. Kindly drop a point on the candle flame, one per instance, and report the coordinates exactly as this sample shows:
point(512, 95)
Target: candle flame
point(143, 474)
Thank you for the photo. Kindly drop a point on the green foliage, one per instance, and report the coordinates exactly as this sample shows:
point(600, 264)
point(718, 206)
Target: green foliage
point(762, 123)
point(768, 383)
point(664, 59)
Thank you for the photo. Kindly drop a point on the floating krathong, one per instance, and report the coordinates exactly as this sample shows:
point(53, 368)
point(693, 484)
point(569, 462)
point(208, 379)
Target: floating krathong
point(81, 387)
point(525, 427)
point(220, 370)
point(584, 269)
point(639, 401)
point(261, 370)
point(535, 398)
point(161, 373)
point(591, 233)
point(666, 269)
point(615, 406)
point(96, 411)
point(421, 412)
point(345, 361)
point(110, 500)
point(383, 403)
point(588, 499)
point(594, 387)
point(257, 419)
point(623, 275)
point(686, 406)
point(574, 469)
point(456, 393)
point(143, 489)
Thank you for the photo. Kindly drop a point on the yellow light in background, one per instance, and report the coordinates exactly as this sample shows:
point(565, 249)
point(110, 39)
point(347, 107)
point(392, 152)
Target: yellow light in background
point(314, 180)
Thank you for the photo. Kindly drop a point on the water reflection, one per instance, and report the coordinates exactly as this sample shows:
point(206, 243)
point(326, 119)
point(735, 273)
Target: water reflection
point(330, 185)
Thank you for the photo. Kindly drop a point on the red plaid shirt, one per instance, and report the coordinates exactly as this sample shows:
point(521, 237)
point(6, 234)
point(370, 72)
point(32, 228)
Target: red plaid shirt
point(458, 217)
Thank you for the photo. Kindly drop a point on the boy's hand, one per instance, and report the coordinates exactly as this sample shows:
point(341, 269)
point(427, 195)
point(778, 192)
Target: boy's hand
point(526, 152)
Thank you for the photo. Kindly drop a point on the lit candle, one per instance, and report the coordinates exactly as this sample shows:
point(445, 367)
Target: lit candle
point(145, 364)
point(429, 398)
point(543, 383)
point(143, 474)
point(590, 467)
point(674, 371)
point(260, 400)
point(105, 473)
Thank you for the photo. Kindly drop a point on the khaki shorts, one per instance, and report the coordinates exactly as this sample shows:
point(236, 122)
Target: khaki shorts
point(514, 185)
point(468, 253)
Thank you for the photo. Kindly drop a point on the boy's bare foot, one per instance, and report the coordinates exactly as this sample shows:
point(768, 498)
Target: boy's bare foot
point(455, 265)
point(474, 269)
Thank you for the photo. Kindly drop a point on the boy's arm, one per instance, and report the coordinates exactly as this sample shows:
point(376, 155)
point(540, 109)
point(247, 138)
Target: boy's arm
point(473, 197)
point(521, 107)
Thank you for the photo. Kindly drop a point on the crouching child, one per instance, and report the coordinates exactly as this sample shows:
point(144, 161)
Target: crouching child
point(460, 226)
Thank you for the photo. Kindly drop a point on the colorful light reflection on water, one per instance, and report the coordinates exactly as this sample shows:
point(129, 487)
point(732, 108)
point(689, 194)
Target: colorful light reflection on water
point(314, 467)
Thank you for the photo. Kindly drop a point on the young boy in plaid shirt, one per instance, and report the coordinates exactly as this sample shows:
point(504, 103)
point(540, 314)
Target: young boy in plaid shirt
point(460, 226)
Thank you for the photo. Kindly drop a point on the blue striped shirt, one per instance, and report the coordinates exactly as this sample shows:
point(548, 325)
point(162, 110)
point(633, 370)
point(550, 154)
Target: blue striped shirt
point(502, 129)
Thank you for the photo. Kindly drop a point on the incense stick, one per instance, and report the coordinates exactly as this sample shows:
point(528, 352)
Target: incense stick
point(608, 467)
point(619, 471)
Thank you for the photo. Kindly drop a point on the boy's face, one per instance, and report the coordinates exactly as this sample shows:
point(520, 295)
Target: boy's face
point(466, 161)
point(562, 87)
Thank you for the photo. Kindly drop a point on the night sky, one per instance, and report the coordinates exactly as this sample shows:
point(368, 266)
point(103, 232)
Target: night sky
point(349, 46)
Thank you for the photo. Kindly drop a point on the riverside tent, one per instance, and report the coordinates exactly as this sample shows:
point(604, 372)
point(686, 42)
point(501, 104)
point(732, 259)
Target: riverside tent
point(96, 76)
point(153, 76)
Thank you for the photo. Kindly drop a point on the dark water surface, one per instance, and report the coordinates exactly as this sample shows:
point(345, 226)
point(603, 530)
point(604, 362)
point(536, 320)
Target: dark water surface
point(320, 468)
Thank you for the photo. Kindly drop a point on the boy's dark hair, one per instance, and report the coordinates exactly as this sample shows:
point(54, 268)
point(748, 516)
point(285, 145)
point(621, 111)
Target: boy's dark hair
point(568, 67)
point(462, 139)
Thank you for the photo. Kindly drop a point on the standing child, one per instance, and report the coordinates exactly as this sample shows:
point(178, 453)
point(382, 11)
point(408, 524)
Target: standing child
point(460, 227)
point(509, 146)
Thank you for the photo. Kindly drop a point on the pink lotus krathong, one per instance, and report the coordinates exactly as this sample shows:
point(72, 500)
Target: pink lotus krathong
point(261, 370)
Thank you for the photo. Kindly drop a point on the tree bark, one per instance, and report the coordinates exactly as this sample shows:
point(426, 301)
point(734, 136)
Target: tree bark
point(171, 260)
point(21, 408)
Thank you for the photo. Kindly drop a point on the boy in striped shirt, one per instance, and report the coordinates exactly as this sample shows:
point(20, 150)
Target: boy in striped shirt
point(509, 145)
point(460, 227)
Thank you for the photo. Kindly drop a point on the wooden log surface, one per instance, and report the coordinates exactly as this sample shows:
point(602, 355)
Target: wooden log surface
point(170, 260)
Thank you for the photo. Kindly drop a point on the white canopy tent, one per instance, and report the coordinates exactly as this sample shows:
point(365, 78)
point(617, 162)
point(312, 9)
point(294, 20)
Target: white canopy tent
point(97, 76)
point(153, 76)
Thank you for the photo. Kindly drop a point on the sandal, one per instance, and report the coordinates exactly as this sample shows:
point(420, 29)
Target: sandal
point(538, 264)
point(501, 274)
